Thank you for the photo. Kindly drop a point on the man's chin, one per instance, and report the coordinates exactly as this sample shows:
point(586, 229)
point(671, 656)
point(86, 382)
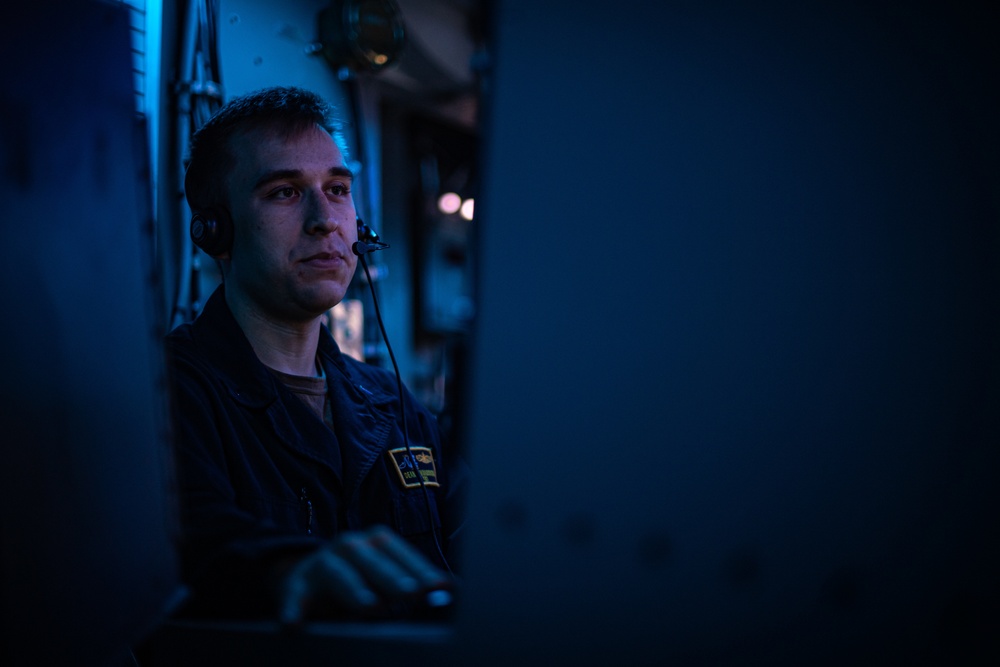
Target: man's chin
point(321, 302)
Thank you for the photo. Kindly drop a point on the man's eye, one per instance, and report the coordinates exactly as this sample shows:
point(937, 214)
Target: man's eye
point(339, 190)
point(283, 193)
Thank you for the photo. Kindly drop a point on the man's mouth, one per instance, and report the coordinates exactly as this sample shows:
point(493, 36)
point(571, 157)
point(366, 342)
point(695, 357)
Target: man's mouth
point(325, 260)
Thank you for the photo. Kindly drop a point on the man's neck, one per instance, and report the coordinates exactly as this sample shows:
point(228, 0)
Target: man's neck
point(289, 347)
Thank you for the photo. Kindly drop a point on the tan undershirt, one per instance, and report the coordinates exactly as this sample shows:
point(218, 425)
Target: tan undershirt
point(312, 391)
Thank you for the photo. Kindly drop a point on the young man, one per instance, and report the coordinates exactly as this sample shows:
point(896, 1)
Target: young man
point(298, 494)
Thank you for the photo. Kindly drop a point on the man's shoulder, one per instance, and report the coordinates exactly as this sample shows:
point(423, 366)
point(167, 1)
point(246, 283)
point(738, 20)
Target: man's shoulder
point(179, 337)
point(187, 342)
point(213, 334)
point(180, 346)
point(209, 322)
point(187, 364)
point(213, 346)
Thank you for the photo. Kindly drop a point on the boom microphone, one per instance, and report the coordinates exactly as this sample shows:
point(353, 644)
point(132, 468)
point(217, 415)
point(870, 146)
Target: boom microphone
point(361, 248)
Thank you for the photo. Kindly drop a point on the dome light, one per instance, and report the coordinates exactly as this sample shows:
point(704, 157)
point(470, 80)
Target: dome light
point(449, 203)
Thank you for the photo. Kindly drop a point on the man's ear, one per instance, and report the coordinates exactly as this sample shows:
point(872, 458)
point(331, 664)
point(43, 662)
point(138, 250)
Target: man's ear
point(224, 264)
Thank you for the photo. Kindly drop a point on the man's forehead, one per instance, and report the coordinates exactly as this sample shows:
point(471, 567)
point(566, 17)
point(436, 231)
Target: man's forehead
point(262, 150)
point(276, 139)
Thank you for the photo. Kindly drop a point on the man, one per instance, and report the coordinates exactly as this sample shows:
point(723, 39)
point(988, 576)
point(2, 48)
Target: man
point(295, 479)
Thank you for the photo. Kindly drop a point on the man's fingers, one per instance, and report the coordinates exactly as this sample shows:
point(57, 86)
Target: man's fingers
point(338, 577)
point(356, 572)
point(378, 567)
point(292, 595)
point(322, 576)
point(408, 557)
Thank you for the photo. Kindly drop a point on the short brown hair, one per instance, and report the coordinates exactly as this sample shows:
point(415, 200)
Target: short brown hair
point(288, 110)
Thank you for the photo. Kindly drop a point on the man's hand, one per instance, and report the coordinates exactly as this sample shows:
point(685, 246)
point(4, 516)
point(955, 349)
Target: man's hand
point(358, 571)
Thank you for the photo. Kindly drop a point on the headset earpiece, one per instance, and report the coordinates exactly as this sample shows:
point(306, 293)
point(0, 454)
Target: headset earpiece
point(212, 231)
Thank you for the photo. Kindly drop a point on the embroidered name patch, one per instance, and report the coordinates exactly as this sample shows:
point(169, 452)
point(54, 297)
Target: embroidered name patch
point(418, 461)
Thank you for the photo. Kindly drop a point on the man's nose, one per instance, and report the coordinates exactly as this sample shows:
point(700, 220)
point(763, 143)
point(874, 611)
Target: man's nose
point(321, 218)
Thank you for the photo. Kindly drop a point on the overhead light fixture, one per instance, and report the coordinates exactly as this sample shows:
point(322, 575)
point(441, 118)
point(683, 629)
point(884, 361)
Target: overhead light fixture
point(362, 35)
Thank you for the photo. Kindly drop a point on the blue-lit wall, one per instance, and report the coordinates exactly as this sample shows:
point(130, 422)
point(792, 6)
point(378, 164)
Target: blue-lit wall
point(736, 384)
point(87, 563)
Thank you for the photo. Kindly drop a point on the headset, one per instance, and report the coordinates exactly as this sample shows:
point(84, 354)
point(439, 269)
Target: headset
point(212, 231)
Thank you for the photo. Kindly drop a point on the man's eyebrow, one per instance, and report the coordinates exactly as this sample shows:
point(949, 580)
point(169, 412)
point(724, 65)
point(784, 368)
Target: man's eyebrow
point(281, 174)
point(342, 171)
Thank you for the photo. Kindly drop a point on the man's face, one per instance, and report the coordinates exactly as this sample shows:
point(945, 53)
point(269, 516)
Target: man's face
point(294, 218)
